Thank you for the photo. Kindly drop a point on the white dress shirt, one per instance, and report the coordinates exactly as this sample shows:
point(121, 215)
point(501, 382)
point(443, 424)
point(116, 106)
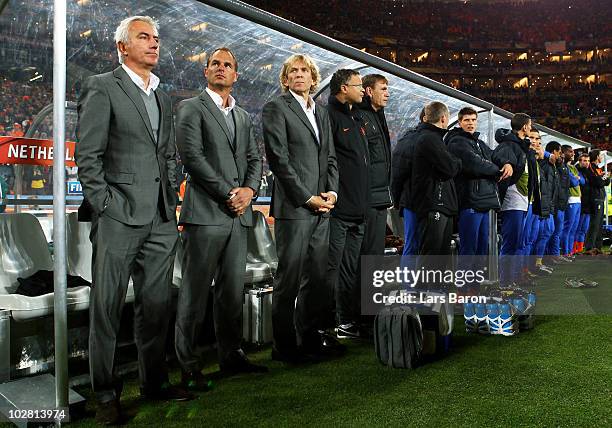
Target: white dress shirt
point(153, 80)
point(219, 101)
point(309, 109)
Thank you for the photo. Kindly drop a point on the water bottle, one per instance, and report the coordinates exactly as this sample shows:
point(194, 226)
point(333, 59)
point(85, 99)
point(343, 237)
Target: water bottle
point(481, 310)
point(520, 304)
point(531, 298)
point(505, 312)
point(468, 310)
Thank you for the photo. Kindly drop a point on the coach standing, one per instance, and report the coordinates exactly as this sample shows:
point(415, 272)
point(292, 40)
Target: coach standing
point(300, 151)
point(348, 217)
point(218, 149)
point(372, 108)
point(126, 160)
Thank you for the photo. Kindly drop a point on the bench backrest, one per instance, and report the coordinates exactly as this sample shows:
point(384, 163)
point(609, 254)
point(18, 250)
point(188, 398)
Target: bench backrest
point(23, 249)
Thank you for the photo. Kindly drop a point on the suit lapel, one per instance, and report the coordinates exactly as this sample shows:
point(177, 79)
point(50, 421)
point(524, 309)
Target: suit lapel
point(214, 110)
point(238, 123)
point(162, 122)
point(131, 91)
point(320, 125)
point(297, 109)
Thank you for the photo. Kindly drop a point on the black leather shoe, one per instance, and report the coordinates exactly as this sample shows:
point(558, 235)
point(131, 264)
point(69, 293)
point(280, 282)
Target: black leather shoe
point(237, 362)
point(108, 413)
point(167, 392)
point(195, 381)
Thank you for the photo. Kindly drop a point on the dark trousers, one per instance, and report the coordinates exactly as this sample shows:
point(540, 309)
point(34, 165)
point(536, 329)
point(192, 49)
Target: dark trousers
point(302, 248)
point(345, 243)
point(219, 253)
point(375, 231)
point(436, 230)
point(594, 238)
point(146, 253)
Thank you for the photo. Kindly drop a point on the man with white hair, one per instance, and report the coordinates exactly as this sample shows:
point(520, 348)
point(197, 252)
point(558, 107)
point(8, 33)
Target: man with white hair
point(126, 159)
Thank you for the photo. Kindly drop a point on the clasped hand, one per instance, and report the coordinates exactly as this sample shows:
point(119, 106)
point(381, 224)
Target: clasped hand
point(240, 199)
point(323, 203)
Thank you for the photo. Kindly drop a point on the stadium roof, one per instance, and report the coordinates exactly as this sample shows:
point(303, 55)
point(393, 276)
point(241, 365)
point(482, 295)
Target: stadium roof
point(190, 29)
point(410, 91)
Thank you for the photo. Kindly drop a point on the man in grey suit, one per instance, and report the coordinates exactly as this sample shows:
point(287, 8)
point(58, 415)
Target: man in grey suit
point(300, 151)
point(218, 149)
point(126, 160)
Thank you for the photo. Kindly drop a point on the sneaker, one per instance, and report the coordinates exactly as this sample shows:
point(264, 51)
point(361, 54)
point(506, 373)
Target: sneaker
point(544, 270)
point(566, 259)
point(572, 283)
point(588, 283)
point(348, 331)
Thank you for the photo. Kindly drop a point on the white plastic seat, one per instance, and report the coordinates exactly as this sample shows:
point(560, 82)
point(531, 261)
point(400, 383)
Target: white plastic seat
point(23, 252)
point(25, 308)
point(23, 249)
point(78, 247)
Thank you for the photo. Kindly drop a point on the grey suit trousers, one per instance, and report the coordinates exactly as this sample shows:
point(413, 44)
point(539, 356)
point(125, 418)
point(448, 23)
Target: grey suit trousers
point(302, 247)
point(146, 253)
point(219, 253)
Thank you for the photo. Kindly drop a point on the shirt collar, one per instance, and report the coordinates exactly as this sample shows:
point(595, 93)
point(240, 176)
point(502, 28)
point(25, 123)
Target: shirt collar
point(153, 80)
point(310, 105)
point(219, 101)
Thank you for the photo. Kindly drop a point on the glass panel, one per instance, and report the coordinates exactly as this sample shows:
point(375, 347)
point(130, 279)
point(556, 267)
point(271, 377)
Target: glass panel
point(406, 101)
point(189, 30)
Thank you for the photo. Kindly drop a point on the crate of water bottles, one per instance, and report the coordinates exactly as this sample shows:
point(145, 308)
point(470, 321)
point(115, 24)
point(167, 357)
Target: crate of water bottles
point(505, 313)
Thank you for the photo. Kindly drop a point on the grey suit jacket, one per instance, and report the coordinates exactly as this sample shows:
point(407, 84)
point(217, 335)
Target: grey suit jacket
point(120, 165)
point(215, 164)
point(301, 166)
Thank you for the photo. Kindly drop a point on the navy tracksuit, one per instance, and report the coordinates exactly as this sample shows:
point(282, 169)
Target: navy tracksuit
point(476, 186)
